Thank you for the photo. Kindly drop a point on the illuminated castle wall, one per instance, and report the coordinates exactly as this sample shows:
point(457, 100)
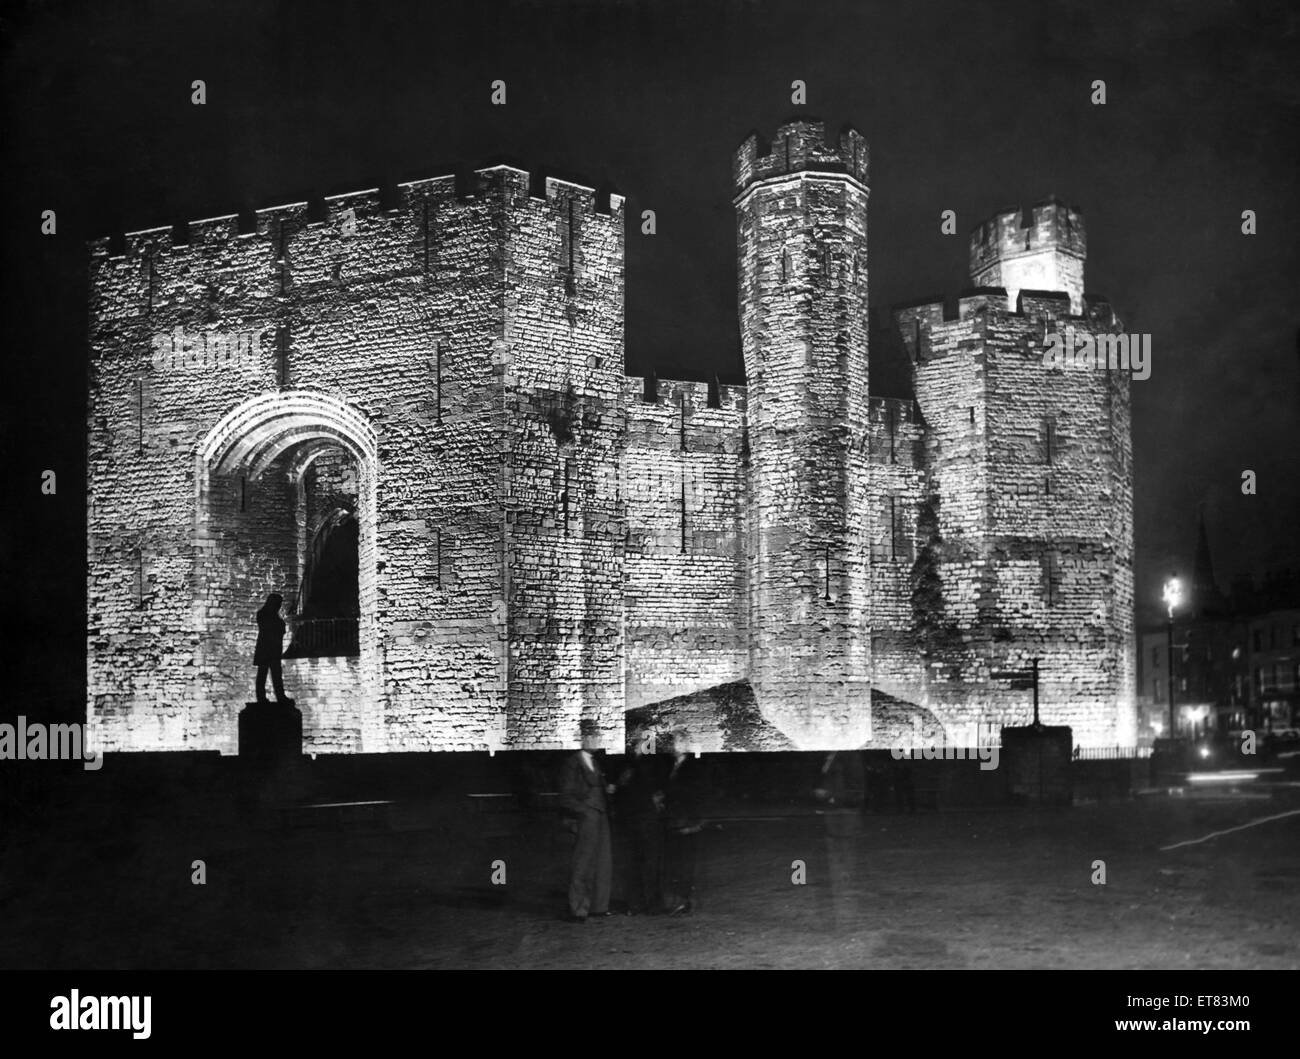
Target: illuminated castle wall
point(539, 539)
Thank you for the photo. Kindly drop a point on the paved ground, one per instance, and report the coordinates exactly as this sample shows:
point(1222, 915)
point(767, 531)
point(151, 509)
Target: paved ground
point(103, 886)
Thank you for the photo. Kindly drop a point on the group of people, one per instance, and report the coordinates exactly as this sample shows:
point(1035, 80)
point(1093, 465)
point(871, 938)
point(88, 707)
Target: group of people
point(656, 802)
point(655, 798)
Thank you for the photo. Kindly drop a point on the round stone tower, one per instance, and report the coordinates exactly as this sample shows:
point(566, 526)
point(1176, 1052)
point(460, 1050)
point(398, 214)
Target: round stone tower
point(801, 216)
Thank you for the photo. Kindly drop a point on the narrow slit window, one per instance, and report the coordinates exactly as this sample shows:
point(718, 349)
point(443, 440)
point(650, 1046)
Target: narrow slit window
point(428, 224)
point(569, 253)
point(893, 529)
point(283, 357)
point(572, 233)
point(437, 382)
point(282, 256)
point(683, 509)
point(564, 498)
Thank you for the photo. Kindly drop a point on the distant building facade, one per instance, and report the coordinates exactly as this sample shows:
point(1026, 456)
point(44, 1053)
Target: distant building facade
point(1236, 663)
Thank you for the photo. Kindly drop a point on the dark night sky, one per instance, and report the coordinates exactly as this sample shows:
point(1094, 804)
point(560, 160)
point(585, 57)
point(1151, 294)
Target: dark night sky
point(970, 107)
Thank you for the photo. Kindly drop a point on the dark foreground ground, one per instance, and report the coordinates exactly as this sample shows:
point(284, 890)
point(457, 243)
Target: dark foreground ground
point(102, 883)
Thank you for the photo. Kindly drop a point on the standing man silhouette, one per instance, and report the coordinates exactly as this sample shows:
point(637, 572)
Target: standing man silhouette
point(270, 646)
point(584, 796)
point(640, 813)
point(684, 795)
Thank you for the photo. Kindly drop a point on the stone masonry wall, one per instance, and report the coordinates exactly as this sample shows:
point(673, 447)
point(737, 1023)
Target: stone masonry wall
point(1032, 470)
point(684, 490)
point(562, 362)
point(896, 444)
point(396, 310)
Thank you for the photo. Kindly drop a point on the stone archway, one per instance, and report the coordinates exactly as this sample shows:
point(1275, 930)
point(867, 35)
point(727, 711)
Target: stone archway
point(249, 542)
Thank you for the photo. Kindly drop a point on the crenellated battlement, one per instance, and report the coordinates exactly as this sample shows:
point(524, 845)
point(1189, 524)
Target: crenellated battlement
point(350, 211)
point(800, 146)
point(926, 325)
point(1045, 254)
point(689, 394)
point(1052, 226)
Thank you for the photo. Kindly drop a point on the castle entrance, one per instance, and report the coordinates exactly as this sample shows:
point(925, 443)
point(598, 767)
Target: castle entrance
point(286, 504)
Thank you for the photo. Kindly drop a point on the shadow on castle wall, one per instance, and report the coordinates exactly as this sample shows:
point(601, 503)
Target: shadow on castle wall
point(727, 718)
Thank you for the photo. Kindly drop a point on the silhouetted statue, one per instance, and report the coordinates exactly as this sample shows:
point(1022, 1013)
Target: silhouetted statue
point(270, 646)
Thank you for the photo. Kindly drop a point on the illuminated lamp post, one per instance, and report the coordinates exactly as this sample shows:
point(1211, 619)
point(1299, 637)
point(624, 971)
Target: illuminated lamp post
point(1172, 596)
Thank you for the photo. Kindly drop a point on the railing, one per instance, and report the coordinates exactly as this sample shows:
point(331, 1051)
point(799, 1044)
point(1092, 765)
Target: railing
point(323, 638)
point(1110, 753)
point(903, 409)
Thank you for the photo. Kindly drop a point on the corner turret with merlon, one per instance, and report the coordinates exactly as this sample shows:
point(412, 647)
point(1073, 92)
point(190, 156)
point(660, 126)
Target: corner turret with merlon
point(1042, 250)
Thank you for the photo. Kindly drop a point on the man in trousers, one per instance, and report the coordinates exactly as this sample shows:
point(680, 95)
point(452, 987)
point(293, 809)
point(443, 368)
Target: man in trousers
point(584, 797)
point(640, 816)
point(684, 795)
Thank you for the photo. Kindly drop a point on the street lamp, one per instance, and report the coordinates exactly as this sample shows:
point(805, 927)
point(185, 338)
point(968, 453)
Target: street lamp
point(1172, 596)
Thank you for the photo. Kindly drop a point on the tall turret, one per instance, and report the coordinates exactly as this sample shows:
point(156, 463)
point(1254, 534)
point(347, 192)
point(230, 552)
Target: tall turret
point(801, 215)
point(1046, 255)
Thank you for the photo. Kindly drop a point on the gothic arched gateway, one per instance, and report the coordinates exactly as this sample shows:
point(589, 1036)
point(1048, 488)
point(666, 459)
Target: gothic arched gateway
point(286, 503)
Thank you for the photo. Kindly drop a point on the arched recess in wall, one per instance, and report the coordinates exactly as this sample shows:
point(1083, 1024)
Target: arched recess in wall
point(262, 448)
point(329, 585)
point(254, 434)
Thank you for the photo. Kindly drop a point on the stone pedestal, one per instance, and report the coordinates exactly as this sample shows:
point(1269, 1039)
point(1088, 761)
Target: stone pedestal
point(273, 769)
point(270, 732)
point(1036, 762)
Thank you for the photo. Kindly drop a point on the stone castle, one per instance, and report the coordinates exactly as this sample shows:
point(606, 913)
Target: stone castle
point(406, 410)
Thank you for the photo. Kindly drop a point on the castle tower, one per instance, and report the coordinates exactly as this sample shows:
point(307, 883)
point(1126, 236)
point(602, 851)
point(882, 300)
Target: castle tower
point(1031, 470)
point(438, 366)
point(1047, 255)
point(801, 215)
